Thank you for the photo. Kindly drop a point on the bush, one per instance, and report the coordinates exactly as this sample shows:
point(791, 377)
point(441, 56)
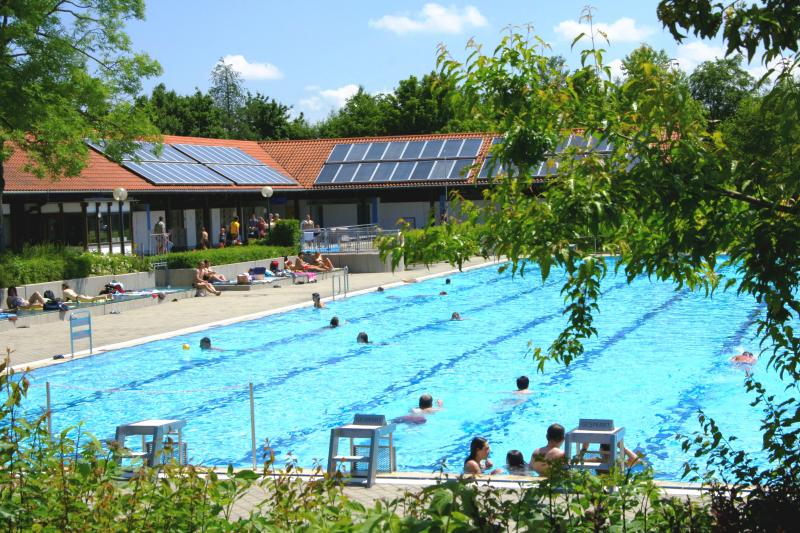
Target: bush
point(285, 233)
point(223, 256)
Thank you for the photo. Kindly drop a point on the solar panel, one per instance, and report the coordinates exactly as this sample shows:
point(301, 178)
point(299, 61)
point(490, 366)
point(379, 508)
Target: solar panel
point(413, 150)
point(375, 151)
point(422, 170)
point(403, 171)
point(339, 152)
point(219, 155)
point(432, 149)
point(471, 147)
point(441, 170)
point(176, 173)
point(394, 151)
point(146, 151)
point(364, 172)
point(384, 172)
point(460, 164)
point(327, 174)
point(357, 152)
point(346, 173)
point(451, 148)
point(252, 175)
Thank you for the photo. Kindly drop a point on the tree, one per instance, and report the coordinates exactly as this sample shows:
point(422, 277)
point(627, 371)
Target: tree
point(265, 118)
point(364, 114)
point(227, 91)
point(720, 85)
point(689, 196)
point(173, 114)
point(67, 73)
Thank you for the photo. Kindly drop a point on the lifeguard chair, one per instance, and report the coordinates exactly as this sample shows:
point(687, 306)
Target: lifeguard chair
point(594, 431)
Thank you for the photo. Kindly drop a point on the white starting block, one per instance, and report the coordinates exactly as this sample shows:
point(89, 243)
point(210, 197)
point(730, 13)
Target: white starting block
point(594, 431)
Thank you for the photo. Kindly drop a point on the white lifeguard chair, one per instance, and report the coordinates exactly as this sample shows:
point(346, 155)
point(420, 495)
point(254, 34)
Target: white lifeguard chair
point(157, 430)
point(379, 450)
point(594, 431)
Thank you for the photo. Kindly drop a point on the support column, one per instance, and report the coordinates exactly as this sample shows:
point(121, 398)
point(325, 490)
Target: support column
point(374, 209)
point(97, 224)
point(62, 223)
point(109, 205)
point(84, 210)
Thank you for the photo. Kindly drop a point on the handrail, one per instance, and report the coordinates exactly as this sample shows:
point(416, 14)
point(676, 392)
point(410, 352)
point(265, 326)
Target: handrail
point(346, 239)
point(343, 278)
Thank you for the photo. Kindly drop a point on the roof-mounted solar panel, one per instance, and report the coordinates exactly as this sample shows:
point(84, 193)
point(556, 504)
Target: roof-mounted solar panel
point(176, 173)
point(471, 147)
point(403, 171)
point(432, 149)
point(458, 167)
point(339, 152)
point(376, 151)
point(451, 148)
point(328, 173)
point(413, 150)
point(346, 173)
point(364, 172)
point(252, 175)
point(146, 152)
point(218, 155)
point(395, 150)
point(357, 152)
point(384, 172)
point(441, 169)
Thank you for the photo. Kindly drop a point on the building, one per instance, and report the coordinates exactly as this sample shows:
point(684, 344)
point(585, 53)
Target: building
point(197, 182)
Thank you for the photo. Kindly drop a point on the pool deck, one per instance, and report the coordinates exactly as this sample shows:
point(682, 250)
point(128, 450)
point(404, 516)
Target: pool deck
point(36, 345)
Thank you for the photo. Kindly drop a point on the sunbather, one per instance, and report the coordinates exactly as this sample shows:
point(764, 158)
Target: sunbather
point(71, 296)
point(323, 262)
point(202, 284)
point(15, 301)
point(302, 266)
point(210, 274)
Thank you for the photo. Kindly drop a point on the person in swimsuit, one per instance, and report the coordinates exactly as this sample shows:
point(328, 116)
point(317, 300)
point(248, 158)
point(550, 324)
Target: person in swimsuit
point(15, 301)
point(478, 460)
point(302, 266)
point(543, 459)
point(317, 301)
point(323, 262)
point(71, 296)
point(745, 358)
point(522, 385)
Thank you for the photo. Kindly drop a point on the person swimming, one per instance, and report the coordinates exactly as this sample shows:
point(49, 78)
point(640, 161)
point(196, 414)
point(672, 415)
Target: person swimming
point(443, 293)
point(745, 358)
point(522, 385)
point(334, 322)
point(515, 463)
point(317, 301)
point(447, 281)
point(205, 344)
point(380, 289)
point(455, 316)
point(362, 338)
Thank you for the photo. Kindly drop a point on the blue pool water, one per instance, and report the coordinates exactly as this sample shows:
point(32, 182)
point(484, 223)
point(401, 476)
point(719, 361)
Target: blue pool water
point(660, 356)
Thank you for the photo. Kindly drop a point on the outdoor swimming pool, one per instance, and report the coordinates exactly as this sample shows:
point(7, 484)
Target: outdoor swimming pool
point(661, 355)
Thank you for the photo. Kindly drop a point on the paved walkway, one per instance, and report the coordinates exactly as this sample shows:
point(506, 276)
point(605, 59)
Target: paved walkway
point(41, 342)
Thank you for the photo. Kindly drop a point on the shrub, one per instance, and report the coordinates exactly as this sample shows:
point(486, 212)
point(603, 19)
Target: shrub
point(285, 233)
point(223, 256)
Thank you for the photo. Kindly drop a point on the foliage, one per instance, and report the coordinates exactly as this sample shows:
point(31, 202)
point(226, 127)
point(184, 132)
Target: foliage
point(452, 241)
point(49, 262)
point(67, 73)
point(70, 481)
point(224, 256)
point(227, 92)
point(689, 195)
point(285, 233)
point(721, 85)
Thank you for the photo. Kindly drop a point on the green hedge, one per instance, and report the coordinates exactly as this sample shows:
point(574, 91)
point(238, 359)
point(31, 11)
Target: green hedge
point(223, 256)
point(285, 233)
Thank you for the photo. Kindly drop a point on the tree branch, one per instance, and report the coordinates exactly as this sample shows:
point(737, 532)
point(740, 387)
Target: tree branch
point(752, 200)
point(80, 51)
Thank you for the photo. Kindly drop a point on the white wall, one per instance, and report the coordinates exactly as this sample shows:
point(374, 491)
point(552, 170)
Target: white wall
point(141, 233)
point(390, 212)
point(191, 227)
point(339, 215)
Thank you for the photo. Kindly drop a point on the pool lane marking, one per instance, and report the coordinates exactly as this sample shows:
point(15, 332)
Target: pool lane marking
point(279, 342)
point(42, 363)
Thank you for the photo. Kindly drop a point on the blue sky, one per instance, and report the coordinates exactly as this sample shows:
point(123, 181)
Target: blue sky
point(313, 54)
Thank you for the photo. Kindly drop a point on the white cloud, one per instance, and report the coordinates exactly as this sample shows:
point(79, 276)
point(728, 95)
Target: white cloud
point(616, 69)
point(689, 55)
point(252, 71)
point(620, 31)
point(433, 18)
point(327, 99)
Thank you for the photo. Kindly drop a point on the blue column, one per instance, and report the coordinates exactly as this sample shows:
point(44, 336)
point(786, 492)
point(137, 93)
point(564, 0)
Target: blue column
point(442, 206)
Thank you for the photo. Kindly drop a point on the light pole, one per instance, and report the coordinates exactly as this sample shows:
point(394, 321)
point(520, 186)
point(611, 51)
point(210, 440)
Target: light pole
point(120, 195)
point(267, 192)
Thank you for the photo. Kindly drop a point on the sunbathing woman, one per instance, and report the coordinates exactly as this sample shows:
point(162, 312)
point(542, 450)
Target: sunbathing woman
point(210, 274)
point(71, 296)
point(15, 301)
point(201, 283)
point(302, 266)
point(323, 262)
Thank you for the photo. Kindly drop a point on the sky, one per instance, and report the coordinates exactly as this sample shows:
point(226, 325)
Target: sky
point(313, 54)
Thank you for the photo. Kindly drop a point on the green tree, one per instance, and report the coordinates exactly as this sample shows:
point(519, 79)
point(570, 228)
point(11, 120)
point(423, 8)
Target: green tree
point(363, 115)
point(420, 105)
point(265, 118)
point(720, 85)
point(173, 114)
point(68, 73)
point(227, 92)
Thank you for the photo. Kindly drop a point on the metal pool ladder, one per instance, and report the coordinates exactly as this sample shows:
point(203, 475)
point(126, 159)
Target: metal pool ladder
point(340, 282)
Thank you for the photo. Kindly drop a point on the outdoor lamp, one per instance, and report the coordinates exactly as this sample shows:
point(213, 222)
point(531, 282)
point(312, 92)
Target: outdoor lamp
point(120, 195)
point(267, 192)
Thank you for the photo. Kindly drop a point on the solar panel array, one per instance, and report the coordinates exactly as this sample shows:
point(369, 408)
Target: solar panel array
point(549, 167)
point(399, 161)
point(188, 164)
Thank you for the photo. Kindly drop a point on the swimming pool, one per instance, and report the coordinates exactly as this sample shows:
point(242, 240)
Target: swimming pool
point(660, 356)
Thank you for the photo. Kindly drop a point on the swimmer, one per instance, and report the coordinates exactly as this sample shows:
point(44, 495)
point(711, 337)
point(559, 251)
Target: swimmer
point(334, 322)
point(515, 463)
point(478, 461)
point(447, 281)
point(455, 316)
point(205, 344)
point(522, 385)
point(380, 289)
point(443, 293)
point(745, 358)
point(362, 338)
point(426, 405)
point(317, 302)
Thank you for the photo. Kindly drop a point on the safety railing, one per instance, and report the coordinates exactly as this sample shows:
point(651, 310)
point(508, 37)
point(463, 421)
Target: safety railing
point(344, 239)
point(340, 282)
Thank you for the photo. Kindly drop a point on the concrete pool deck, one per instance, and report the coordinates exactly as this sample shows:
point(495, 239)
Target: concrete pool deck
point(35, 346)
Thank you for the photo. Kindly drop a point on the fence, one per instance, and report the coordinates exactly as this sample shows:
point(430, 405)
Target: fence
point(345, 239)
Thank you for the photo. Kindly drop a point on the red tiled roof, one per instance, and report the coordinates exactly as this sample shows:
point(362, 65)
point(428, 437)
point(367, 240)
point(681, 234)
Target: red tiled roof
point(304, 159)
